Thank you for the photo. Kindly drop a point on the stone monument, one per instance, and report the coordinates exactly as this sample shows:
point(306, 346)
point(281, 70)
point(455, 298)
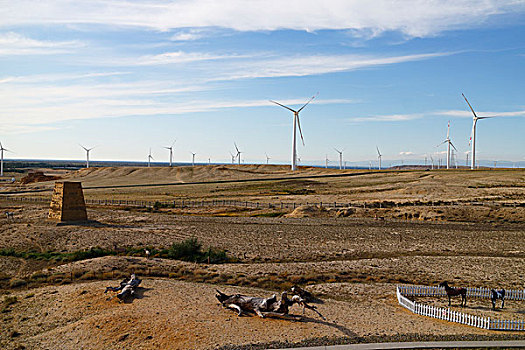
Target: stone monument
point(68, 203)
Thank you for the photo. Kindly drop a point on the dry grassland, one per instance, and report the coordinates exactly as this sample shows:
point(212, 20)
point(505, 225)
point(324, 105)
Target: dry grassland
point(352, 263)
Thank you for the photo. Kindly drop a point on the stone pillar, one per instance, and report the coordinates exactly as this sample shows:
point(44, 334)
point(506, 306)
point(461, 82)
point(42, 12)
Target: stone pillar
point(68, 203)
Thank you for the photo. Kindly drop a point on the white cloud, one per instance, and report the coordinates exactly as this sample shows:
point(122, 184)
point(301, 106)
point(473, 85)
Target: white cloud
point(50, 104)
point(415, 18)
point(187, 35)
point(406, 153)
point(313, 65)
point(468, 114)
point(47, 78)
point(450, 113)
point(16, 44)
point(175, 57)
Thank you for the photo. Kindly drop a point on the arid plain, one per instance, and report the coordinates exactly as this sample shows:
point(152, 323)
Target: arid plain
point(387, 228)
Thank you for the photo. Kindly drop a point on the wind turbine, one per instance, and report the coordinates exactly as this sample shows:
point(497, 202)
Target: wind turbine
point(473, 136)
point(238, 153)
point(340, 158)
point(150, 157)
point(193, 158)
point(267, 158)
point(171, 151)
point(449, 143)
point(233, 158)
point(326, 161)
point(432, 160)
point(296, 123)
point(87, 154)
point(379, 156)
point(2, 149)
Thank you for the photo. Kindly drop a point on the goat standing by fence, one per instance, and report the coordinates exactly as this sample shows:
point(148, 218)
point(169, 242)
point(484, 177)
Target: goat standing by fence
point(452, 292)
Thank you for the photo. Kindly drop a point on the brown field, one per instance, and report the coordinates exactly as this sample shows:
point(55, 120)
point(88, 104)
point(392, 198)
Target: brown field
point(351, 260)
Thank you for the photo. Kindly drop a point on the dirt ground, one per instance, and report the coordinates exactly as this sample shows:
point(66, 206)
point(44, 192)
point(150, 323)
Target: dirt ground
point(351, 263)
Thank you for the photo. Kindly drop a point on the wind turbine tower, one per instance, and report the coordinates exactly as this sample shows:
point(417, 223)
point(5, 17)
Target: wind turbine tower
point(473, 136)
point(449, 143)
point(2, 149)
point(326, 161)
point(150, 157)
point(170, 148)
point(267, 158)
point(87, 154)
point(193, 158)
point(379, 156)
point(296, 123)
point(340, 158)
point(238, 153)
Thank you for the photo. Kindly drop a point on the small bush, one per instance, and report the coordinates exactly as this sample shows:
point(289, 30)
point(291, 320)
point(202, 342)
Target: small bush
point(188, 250)
point(17, 282)
point(88, 276)
point(10, 300)
point(38, 276)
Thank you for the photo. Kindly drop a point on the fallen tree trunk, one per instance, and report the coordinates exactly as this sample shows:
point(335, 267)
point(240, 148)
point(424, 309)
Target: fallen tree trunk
point(264, 307)
point(126, 288)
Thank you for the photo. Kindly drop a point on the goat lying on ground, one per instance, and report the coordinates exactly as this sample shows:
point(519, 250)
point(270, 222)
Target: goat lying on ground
point(264, 307)
point(126, 288)
point(497, 294)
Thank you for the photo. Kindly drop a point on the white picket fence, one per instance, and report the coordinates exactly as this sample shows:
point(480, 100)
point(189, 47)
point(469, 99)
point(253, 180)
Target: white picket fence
point(485, 293)
point(455, 316)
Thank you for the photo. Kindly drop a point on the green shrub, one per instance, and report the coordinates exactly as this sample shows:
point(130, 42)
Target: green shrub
point(17, 282)
point(187, 250)
point(191, 250)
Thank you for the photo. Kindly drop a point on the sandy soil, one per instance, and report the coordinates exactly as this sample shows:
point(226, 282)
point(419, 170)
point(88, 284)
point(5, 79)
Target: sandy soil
point(352, 263)
point(67, 317)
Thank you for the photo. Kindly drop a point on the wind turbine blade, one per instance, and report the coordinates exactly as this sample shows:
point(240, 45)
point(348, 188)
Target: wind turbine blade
point(337, 150)
point(453, 145)
point(310, 100)
point(472, 109)
point(448, 129)
point(299, 124)
point(442, 143)
point(288, 108)
point(378, 153)
point(486, 117)
point(236, 147)
point(83, 147)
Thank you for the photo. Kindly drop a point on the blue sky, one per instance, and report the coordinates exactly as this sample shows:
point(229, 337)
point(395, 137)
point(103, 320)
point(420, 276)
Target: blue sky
point(126, 76)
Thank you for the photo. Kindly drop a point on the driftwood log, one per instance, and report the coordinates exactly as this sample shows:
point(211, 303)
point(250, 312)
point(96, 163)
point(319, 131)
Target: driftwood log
point(264, 307)
point(127, 287)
